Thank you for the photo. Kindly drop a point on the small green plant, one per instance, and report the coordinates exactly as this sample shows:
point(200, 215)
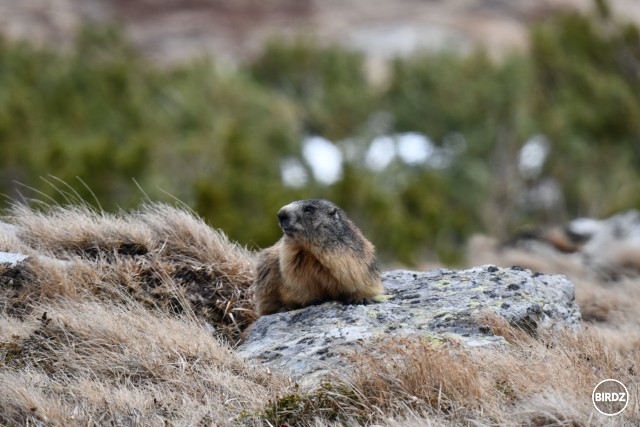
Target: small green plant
point(328, 402)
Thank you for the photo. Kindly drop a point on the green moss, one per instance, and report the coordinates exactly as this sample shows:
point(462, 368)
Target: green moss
point(12, 354)
point(505, 389)
point(480, 288)
point(443, 315)
point(473, 304)
point(433, 340)
point(19, 353)
point(383, 298)
point(439, 284)
point(328, 402)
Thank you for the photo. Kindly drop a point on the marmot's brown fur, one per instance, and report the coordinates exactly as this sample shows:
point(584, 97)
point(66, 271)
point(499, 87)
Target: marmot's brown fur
point(322, 256)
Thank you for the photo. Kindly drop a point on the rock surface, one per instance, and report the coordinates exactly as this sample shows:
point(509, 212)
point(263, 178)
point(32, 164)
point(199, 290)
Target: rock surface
point(437, 305)
point(606, 250)
point(610, 246)
point(11, 259)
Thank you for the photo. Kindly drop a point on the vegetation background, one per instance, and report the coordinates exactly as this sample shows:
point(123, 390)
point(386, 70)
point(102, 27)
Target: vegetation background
point(118, 128)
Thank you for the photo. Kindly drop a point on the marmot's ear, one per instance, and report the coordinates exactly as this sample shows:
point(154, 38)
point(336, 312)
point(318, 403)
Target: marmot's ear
point(333, 212)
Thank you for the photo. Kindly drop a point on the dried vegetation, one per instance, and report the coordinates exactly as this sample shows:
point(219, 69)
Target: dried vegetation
point(131, 319)
point(158, 256)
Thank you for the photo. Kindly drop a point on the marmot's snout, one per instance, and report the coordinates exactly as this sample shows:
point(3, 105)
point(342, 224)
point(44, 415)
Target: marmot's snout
point(286, 220)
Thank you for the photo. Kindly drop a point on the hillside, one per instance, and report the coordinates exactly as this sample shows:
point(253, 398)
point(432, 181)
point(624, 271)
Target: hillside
point(96, 328)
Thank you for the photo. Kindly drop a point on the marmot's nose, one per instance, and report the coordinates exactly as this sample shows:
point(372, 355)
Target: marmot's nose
point(283, 217)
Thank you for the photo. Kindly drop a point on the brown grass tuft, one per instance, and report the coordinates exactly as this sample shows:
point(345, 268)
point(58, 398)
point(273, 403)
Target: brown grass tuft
point(397, 374)
point(71, 362)
point(161, 256)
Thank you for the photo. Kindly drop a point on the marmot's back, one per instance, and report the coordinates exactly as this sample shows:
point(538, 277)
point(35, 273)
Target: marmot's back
point(322, 256)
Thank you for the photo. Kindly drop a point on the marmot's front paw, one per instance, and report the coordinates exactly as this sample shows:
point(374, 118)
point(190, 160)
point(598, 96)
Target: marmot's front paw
point(366, 301)
point(357, 301)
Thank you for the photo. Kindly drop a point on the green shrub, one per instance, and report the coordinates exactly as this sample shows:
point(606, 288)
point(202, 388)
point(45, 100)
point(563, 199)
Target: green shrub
point(328, 83)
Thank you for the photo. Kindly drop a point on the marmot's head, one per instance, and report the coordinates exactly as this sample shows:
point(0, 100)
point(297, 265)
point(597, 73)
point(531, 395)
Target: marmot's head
point(318, 222)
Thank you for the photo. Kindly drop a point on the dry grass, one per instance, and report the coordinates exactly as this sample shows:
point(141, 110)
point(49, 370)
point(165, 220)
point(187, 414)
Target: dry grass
point(124, 319)
point(542, 381)
point(111, 324)
point(161, 256)
point(89, 363)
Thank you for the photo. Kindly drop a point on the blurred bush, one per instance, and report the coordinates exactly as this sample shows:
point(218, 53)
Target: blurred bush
point(587, 79)
point(217, 139)
point(98, 113)
point(327, 83)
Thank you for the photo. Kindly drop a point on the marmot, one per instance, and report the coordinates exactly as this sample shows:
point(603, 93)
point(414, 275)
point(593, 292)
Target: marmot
point(322, 256)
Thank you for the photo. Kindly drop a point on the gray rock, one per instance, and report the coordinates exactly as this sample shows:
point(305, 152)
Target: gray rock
point(11, 258)
point(8, 229)
point(612, 245)
point(437, 305)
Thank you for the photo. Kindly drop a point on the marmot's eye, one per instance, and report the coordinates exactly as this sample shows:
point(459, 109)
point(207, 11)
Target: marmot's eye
point(309, 209)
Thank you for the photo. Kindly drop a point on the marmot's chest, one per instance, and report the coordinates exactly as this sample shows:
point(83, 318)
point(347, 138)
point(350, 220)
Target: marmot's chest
point(307, 277)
